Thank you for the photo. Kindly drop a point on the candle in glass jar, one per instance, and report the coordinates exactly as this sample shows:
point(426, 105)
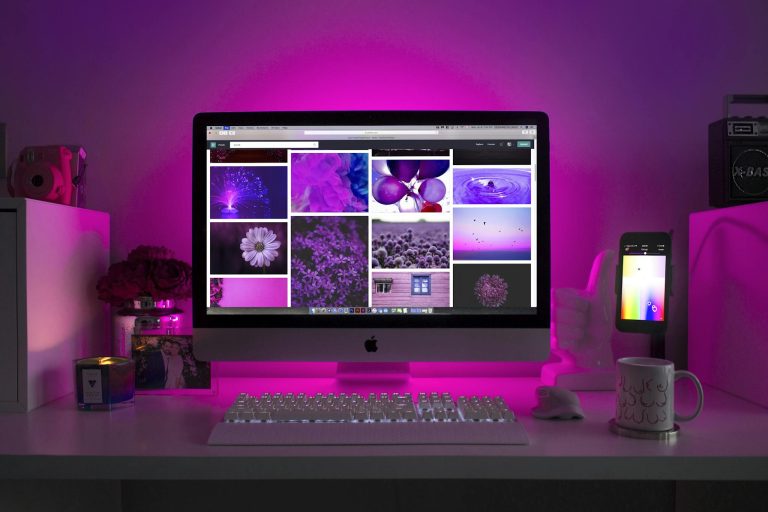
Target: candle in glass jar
point(104, 383)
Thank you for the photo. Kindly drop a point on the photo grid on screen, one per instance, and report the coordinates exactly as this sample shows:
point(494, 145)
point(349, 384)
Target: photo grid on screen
point(371, 229)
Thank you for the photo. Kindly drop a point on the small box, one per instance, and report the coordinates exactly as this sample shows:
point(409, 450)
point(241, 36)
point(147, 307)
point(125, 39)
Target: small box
point(727, 294)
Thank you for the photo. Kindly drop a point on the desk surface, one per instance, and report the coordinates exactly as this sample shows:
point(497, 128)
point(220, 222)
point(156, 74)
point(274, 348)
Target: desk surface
point(164, 437)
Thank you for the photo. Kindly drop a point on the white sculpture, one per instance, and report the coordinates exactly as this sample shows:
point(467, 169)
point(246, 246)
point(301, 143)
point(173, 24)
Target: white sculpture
point(583, 325)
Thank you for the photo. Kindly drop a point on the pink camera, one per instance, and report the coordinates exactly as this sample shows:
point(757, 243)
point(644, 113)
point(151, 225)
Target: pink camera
point(50, 173)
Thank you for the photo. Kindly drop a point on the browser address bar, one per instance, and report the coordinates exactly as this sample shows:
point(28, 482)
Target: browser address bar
point(370, 132)
point(273, 144)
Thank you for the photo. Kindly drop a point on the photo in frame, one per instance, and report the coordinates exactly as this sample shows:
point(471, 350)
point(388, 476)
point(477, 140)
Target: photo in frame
point(165, 363)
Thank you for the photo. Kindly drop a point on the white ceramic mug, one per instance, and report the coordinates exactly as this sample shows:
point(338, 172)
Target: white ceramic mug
point(645, 394)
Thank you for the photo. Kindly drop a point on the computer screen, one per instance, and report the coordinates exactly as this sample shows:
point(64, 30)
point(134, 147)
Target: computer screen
point(371, 220)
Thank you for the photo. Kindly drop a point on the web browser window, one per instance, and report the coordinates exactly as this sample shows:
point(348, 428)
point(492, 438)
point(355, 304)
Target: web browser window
point(371, 220)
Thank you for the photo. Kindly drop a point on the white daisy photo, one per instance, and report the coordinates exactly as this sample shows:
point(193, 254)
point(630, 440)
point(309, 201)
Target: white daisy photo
point(259, 247)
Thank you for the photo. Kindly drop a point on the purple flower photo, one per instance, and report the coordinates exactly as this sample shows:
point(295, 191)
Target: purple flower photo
point(329, 182)
point(418, 244)
point(491, 290)
point(492, 286)
point(260, 246)
point(329, 261)
point(249, 248)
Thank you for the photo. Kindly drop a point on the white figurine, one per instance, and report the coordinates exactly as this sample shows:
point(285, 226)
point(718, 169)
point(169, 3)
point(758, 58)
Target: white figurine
point(583, 327)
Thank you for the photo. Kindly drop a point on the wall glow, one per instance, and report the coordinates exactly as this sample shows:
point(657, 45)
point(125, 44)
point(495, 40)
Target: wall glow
point(128, 84)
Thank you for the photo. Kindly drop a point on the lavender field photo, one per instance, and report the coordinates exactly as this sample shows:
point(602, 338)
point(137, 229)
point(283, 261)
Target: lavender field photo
point(422, 243)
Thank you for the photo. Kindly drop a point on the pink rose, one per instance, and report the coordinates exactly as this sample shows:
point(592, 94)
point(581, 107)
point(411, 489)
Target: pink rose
point(172, 279)
point(123, 281)
point(148, 271)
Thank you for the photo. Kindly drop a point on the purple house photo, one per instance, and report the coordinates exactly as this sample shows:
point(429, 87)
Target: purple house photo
point(418, 289)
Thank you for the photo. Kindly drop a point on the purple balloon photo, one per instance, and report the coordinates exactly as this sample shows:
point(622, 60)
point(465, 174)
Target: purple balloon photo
point(432, 168)
point(388, 190)
point(432, 190)
point(410, 185)
point(404, 170)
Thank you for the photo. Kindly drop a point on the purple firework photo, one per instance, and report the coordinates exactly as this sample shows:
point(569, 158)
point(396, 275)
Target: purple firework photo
point(329, 182)
point(329, 261)
point(410, 186)
point(249, 192)
point(419, 244)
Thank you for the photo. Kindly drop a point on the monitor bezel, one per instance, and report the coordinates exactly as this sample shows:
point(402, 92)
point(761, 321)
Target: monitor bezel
point(200, 286)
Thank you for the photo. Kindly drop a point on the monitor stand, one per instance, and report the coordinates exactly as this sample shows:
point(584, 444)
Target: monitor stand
point(373, 372)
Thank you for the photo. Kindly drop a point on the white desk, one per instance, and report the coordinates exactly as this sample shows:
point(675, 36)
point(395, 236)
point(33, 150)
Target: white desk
point(164, 437)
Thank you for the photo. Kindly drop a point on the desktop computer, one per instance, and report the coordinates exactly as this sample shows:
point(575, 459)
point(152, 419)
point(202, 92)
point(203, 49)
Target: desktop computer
point(371, 237)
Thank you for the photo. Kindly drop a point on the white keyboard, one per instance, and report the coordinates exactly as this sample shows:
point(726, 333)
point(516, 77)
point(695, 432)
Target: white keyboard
point(353, 419)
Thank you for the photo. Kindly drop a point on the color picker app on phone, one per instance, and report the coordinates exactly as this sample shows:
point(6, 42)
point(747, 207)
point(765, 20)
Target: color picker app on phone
point(642, 296)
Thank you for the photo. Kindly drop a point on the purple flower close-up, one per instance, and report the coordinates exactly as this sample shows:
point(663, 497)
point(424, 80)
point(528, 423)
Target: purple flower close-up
point(259, 247)
point(329, 264)
point(491, 290)
point(249, 248)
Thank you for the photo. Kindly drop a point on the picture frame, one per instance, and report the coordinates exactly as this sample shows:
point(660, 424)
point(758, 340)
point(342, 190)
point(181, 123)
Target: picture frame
point(165, 364)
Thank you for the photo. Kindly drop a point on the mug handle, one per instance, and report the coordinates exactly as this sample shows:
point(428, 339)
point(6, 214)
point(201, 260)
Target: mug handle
point(679, 374)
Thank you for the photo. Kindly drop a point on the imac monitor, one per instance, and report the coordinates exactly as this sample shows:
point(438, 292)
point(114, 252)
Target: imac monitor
point(371, 236)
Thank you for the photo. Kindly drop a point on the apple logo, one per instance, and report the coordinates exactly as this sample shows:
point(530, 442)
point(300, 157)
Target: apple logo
point(370, 344)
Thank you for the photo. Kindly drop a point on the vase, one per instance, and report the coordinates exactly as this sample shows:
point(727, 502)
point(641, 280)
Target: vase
point(143, 315)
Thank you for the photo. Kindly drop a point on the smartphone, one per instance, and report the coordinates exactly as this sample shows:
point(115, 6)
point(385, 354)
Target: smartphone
point(643, 282)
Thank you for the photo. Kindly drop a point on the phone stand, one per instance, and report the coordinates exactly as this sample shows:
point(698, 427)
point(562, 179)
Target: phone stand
point(583, 328)
point(658, 346)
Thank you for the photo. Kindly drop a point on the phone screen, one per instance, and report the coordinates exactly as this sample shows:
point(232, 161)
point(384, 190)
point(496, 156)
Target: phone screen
point(643, 280)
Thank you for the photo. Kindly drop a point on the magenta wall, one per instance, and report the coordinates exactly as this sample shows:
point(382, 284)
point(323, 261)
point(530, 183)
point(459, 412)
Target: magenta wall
point(630, 89)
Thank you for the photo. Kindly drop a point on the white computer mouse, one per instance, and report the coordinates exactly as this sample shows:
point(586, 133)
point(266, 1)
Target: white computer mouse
point(557, 403)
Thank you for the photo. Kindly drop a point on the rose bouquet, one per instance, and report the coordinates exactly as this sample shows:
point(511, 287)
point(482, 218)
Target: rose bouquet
point(147, 272)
